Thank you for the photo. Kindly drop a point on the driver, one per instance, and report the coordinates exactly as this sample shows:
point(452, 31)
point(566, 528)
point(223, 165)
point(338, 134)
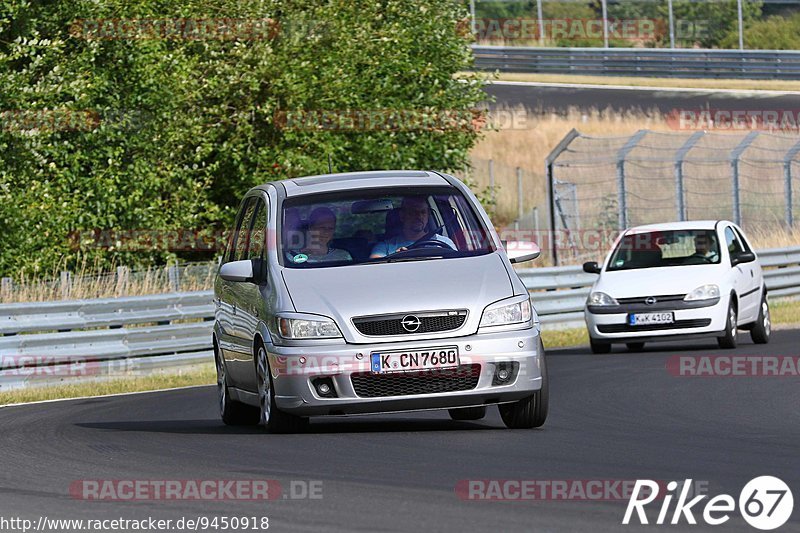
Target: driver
point(413, 214)
point(704, 248)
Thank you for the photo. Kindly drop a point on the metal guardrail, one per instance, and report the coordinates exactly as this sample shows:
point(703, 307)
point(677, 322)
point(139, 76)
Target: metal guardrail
point(56, 342)
point(654, 62)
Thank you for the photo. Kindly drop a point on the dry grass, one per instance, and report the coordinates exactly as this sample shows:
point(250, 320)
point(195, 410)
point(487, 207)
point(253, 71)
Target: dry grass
point(527, 147)
point(204, 375)
point(734, 84)
point(89, 282)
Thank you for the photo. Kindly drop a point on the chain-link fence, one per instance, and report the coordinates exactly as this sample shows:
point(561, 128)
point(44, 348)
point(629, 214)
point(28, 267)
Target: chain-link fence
point(609, 183)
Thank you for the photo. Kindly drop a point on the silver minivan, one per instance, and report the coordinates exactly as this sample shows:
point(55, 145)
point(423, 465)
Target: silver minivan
point(373, 292)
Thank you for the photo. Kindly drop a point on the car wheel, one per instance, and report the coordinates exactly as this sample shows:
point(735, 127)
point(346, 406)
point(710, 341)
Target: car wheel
point(635, 346)
point(530, 412)
point(233, 413)
point(272, 418)
point(599, 347)
point(731, 331)
point(468, 413)
point(763, 326)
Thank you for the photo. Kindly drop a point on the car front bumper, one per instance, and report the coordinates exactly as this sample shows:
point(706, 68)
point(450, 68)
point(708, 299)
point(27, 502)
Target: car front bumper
point(707, 321)
point(296, 369)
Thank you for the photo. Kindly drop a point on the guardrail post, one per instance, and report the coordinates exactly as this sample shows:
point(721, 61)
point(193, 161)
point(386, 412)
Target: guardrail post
point(6, 286)
point(65, 284)
point(736, 154)
point(787, 173)
point(173, 273)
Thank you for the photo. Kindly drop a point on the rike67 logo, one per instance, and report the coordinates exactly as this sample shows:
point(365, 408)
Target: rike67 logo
point(765, 503)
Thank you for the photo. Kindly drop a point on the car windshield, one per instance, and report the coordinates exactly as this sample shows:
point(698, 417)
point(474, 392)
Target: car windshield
point(651, 249)
point(374, 226)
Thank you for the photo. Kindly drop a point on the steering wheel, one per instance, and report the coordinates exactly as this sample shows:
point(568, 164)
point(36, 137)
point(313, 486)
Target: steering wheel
point(428, 242)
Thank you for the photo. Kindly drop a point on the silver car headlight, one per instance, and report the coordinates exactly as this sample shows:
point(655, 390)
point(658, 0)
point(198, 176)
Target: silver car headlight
point(307, 328)
point(600, 299)
point(503, 313)
point(703, 292)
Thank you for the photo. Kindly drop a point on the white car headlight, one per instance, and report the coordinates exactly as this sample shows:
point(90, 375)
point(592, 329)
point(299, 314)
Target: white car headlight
point(704, 292)
point(301, 328)
point(503, 314)
point(600, 298)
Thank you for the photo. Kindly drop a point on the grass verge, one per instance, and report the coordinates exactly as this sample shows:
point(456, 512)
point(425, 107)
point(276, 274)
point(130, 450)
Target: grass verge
point(734, 84)
point(204, 375)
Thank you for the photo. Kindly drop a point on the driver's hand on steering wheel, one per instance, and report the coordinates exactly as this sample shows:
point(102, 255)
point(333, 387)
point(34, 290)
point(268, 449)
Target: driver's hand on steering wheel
point(401, 249)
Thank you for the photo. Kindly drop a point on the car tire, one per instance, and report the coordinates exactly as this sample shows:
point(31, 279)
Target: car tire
point(233, 413)
point(599, 347)
point(273, 419)
point(468, 413)
point(635, 346)
point(530, 412)
point(728, 340)
point(763, 326)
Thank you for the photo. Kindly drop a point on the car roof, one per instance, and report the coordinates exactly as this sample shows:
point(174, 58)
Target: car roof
point(360, 180)
point(685, 225)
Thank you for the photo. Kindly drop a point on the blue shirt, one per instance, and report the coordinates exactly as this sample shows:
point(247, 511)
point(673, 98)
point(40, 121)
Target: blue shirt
point(382, 249)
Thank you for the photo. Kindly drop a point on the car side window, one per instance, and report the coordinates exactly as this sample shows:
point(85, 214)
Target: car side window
point(241, 239)
point(258, 232)
point(734, 246)
point(745, 245)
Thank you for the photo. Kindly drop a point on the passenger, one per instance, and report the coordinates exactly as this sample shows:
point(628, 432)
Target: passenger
point(317, 249)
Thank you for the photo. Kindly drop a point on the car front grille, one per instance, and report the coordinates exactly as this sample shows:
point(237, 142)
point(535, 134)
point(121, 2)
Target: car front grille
point(387, 325)
point(659, 299)
point(678, 324)
point(461, 378)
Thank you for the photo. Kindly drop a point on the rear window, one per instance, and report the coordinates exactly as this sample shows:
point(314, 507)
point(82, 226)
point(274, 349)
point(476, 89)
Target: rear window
point(664, 249)
point(370, 226)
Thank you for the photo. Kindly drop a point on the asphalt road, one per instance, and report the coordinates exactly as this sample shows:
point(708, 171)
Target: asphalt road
point(615, 417)
point(560, 99)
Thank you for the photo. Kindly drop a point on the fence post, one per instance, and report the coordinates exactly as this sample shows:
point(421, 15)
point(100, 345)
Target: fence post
point(65, 284)
point(491, 180)
point(622, 196)
point(6, 286)
point(520, 212)
point(173, 273)
point(680, 156)
point(787, 173)
point(736, 154)
point(123, 275)
point(551, 187)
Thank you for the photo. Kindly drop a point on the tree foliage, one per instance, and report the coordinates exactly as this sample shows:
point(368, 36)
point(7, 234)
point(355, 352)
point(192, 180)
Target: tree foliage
point(168, 133)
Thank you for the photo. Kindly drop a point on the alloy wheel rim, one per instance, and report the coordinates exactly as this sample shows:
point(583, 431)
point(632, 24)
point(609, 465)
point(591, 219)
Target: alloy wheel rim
point(732, 318)
point(263, 387)
point(767, 321)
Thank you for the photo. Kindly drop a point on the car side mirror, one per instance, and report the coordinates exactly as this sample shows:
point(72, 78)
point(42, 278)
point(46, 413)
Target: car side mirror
point(520, 251)
point(743, 257)
point(591, 267)
point(246, 270)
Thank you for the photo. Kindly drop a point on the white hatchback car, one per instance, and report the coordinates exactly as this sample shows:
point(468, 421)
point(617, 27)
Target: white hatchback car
point(677, 280)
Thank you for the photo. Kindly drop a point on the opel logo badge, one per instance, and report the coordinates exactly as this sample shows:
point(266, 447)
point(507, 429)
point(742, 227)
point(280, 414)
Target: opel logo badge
point(650, 300)
point(411, 323)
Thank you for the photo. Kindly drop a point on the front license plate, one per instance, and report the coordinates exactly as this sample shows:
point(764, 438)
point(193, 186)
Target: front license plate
point(414, 360)
point(643, 319)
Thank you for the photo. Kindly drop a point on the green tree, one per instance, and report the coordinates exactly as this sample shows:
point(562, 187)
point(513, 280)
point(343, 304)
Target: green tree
point(179, 128)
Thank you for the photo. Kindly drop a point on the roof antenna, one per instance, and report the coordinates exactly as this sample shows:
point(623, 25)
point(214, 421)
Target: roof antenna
point(330, 165)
